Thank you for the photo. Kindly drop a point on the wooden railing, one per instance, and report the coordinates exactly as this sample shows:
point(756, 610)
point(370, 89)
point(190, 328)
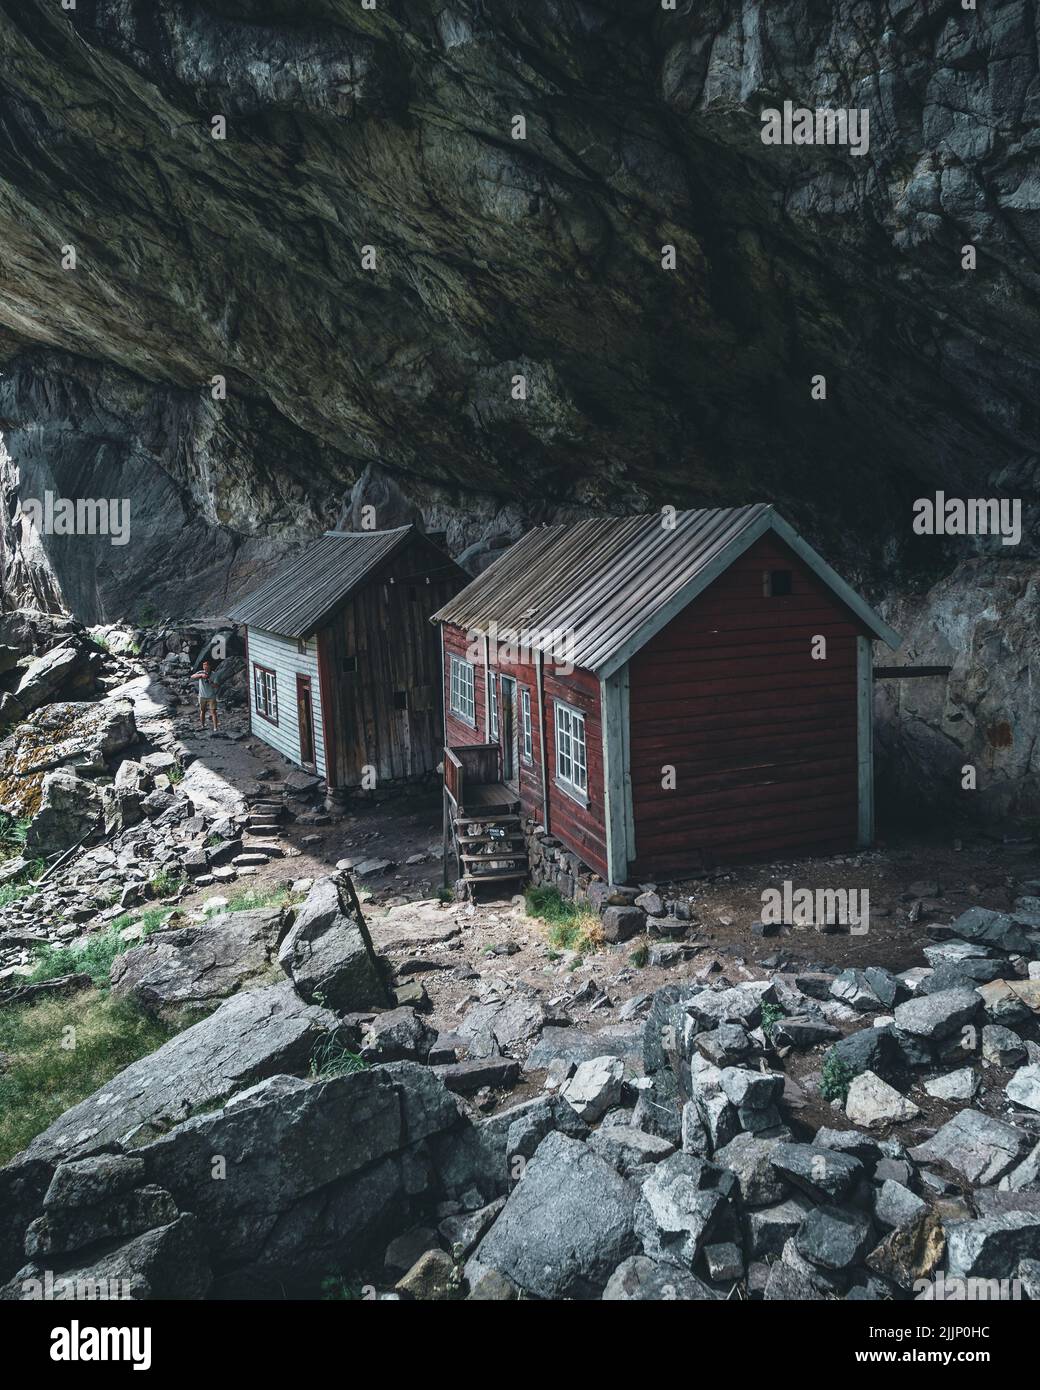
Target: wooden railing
point(476, 763)
point(453, 776)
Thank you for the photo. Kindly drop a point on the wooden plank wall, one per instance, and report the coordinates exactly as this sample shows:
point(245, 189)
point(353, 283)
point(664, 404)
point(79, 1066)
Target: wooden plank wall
point(762, 737)
point(582, 830)
point(386, 626)
point(279, 654)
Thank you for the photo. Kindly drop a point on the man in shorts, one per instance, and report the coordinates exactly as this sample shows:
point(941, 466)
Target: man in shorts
point(207, 693)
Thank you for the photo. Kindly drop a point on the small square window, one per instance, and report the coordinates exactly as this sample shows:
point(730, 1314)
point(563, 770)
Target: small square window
point(400, 699)
point(348, 666)
point(301, 645)
point(776, 583)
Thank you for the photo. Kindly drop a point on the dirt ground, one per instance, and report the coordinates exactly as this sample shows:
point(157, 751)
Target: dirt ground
point(500, 946)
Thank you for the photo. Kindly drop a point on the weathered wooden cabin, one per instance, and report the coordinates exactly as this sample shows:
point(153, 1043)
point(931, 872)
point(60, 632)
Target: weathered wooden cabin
point(344, 668)
point(661, 692)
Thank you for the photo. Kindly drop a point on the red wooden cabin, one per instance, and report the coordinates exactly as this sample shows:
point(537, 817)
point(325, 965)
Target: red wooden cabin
point(662, 692)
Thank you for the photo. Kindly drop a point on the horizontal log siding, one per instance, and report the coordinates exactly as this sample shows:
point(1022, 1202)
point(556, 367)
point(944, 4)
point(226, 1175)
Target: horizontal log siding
point(761, 736)
point(279, 654)
point(456, 643)
point(581, 830)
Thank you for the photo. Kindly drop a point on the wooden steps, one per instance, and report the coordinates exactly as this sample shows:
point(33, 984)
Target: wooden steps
point(491, 840)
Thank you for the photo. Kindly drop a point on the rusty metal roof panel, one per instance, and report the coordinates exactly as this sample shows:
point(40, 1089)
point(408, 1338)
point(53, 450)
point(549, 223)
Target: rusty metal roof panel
point(598, 580)
point(307, 589)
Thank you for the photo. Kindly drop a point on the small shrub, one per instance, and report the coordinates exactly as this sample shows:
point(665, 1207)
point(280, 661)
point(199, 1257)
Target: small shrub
point(836, 1078)
point(175, 774)
point(338, 1288)
point(13, 830)
point(771, 1016)
point(164, 884)
point(640, 956)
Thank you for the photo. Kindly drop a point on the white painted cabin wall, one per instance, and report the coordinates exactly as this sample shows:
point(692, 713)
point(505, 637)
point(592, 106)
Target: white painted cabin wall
point(280, 655)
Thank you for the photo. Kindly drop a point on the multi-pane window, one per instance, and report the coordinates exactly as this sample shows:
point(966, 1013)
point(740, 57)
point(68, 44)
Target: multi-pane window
point(493, 701)
point(265, 693)
point(525, 720)
point(572, 769)
point(462, 699)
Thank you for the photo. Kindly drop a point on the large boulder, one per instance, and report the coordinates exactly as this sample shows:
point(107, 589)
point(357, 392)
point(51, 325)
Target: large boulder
point(935, 1017)
point(328, 952)
point(975, 1146)
point(194, 968)
point(252, 1035)
point(567, 1225)
point(64, 669)
point(70, 809)
point(166, 1263)
point(684, 1206)
point(318, 1174)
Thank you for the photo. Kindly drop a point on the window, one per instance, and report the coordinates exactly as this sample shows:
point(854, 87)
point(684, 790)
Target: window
point(571, 762)
point(348, 666)
point(462, 700)
point(525, 720)
point(400, 699)
point(493, 691)
point(265, 693)
point(301, 645)
point(776, 583)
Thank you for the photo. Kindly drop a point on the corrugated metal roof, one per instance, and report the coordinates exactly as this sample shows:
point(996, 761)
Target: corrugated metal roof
point(305, 592)
point(606, 580)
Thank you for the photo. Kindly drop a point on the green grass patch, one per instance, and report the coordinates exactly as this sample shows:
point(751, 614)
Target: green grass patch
point(332, 1058)
point(250, 898)
point(640, 957)
point(61, 1050)
point(94, 955)
point(164, 884)
point(569, 927)
point(12, 892)
point(175, 774)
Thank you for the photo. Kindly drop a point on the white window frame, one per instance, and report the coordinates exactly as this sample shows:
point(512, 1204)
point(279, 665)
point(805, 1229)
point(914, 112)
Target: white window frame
point(493, 705)
point(462, 700)
point(570, 723)
point(527, 745)
point(265, 692)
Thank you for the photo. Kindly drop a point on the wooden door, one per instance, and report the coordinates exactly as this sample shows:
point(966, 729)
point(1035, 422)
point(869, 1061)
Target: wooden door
point(305, 719)
point(508, 731)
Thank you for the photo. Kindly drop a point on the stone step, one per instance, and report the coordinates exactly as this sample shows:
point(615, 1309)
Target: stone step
point(248, 860)
point(263, 847)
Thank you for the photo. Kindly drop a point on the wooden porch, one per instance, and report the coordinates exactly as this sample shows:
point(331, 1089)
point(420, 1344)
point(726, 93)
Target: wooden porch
point(482, 830)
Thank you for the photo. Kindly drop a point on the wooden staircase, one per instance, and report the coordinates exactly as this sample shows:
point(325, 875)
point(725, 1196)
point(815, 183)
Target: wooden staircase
point(483, 815)
point(490, 849)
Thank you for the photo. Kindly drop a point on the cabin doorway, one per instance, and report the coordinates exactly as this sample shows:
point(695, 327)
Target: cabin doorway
point(305, 719)
point(510, 771)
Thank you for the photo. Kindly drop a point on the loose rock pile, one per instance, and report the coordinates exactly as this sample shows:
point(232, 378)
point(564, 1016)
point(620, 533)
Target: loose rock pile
point(668, 1155)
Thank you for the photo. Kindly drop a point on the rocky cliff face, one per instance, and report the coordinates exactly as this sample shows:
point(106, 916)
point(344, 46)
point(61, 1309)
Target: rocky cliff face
point(369, 260)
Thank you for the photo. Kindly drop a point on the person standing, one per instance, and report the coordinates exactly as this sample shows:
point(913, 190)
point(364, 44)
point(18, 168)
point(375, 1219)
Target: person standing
point(207, 693)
